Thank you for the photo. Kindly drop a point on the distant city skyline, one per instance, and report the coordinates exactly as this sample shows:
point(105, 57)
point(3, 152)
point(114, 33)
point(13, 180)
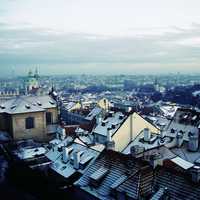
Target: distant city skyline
point(99, 37)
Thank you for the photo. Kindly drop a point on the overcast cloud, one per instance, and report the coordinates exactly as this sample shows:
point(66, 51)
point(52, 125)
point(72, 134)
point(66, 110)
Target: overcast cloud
point(101, 37)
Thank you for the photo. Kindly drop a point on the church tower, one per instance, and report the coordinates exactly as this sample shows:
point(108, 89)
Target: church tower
point(32, 82)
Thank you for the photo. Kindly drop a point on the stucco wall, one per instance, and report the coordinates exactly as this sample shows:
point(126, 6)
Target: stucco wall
point(20, 131)
point(39, 132)
point(130, 129)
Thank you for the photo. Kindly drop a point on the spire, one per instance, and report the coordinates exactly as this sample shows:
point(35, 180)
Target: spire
point(30, 73)
point(36, 75)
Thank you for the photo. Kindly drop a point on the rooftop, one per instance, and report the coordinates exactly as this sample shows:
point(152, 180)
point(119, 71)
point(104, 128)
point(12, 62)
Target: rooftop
point(27, 104)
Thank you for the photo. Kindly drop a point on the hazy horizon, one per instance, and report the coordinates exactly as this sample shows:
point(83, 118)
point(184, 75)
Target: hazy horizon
point(99, 37)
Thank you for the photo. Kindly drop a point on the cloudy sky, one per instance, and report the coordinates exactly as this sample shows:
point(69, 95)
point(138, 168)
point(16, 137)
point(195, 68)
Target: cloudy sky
point(99, 36)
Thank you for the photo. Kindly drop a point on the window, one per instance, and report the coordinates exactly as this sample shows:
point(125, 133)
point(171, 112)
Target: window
point(29, 122)
point(49, 118)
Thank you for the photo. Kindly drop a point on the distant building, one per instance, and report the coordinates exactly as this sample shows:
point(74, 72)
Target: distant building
point(28, 117)
point(119, 129)
point(104, 103)
point(72, 106)
point(9, 93)
point(32, 83)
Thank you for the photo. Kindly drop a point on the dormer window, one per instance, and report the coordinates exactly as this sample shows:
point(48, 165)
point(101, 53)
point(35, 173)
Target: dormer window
point(51, 102)
point(113, 126)
point(98, 175)
point(27, 106)
point(181, 132)
point(120, 117)
point(12, 107)
point(39, 103)
point(2, 107)
point(172, 130)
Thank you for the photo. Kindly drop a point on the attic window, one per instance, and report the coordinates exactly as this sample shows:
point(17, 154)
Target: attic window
point(51, 102)
point(27, 106)
point(181, 132)
point(2, 107)
point(113, 126)
point(103, 123)
point(172, 130)
point(185, 116)
point(194, 117)
point(12, 107)
point(98, 176)
point(120, 117)
point(39, 103)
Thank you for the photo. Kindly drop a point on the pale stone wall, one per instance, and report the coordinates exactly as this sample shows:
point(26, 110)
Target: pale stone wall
point(19, 126)
point(54, 112)
point(130, 129)
point(39, 132)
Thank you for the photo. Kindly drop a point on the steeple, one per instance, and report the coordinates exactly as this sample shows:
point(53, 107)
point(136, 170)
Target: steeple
point(36, 75)
point(30, 73)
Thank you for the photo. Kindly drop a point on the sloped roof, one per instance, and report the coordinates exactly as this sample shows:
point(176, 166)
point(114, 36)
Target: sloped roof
point(118, 166)
point(178, 185)
point(27, 104)
point(114, 120)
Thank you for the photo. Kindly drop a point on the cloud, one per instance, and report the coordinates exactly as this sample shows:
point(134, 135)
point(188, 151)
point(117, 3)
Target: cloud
point(26, 45)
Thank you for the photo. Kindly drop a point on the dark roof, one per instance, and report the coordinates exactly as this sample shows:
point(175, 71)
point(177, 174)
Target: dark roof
point(124, 174)
point(179, 186)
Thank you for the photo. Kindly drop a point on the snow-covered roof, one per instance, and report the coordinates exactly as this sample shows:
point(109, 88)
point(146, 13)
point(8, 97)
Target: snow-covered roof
point(70, 105)
point(27, 104)
point(66, 169)
point(169, 110)
point(182, 163)
point(96, 111)
point(27, 153)
point(113, 122)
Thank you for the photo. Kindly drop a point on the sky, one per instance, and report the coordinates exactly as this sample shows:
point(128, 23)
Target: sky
point(99, 36)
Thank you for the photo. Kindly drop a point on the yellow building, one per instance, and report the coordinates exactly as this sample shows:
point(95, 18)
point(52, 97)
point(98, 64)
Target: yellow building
point(29, 117)
point(104, 103)
point(121, 129)
point(73, 106)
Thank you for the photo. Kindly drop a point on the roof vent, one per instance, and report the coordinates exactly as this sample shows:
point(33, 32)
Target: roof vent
point(193, 142)
point(194, 117)
point(13, 106)
point(27, 106)
point(121, 117)
point(2, 106)
point(113, 126)
point(51, 102)
point(39, 103)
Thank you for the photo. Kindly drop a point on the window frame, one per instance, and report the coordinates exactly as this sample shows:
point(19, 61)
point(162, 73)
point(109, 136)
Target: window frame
point(50, 117)
point(30, 123)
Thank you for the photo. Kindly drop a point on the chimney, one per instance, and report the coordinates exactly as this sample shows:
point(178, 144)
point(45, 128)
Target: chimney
point(193, 142)
point(110, 144)
point(57, 135)
point(65, 154)
point(77, 158)
point(137, 151)
point(99, 120)
point(109, 135)
point(147, 135)
point(62, 134)
point(156, 159)
point(179, 139)
point(195, 173)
